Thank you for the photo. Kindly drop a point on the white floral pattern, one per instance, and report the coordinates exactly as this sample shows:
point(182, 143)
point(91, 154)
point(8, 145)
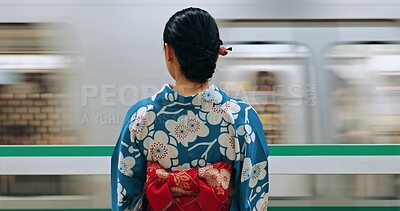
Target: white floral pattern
point(159, 149)
point(171, 96)
point(207, 98)
point(225, 178)
point(247, 132)
point(126, 164)
point(121, 194)
point(262, 203)
point(229, 145)
point(213, 177)
point(187, 128)
point(199, 163)
point(223, 111)
point(140, 121)
point(253, 172)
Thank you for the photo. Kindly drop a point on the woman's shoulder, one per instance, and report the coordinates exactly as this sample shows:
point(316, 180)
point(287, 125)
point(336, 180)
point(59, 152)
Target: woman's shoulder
point(238, 107)
point(247, 111)
point(141, 106)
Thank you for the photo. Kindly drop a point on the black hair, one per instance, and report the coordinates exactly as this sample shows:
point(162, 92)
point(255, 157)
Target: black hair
point(193, 35)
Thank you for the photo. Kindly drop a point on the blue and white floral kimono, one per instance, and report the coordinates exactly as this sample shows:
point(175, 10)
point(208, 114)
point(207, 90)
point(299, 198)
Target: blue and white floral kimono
point(183, 132)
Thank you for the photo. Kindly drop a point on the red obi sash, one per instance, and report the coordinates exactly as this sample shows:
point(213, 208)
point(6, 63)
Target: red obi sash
point(203, 188)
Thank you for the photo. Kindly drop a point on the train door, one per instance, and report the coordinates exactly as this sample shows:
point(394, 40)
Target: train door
point(272, 77)
point(364, 80)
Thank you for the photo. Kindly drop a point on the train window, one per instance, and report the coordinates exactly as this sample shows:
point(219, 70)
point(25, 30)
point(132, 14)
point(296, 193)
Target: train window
point(33, 97)
point(364, 92)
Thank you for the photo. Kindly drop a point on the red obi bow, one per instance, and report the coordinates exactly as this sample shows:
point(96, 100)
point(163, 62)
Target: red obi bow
point(203, 188)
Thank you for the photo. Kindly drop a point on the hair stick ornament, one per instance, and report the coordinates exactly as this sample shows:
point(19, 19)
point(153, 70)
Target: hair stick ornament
point(224, 51)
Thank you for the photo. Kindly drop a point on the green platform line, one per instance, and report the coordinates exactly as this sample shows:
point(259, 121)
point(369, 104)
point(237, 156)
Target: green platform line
point(336, 150)
point(275, 150)
point(43, 150)
point(294, 208)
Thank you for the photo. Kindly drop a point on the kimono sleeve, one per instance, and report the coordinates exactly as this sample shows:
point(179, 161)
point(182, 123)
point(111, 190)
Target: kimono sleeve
point(250, 172)
point(128, 173)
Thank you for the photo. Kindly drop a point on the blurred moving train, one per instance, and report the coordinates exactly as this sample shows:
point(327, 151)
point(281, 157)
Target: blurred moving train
point(317, 72)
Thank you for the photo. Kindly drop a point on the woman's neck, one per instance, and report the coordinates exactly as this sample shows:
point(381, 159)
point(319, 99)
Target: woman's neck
point(187, 88)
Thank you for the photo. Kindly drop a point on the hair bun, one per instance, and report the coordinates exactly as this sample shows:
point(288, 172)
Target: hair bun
point(194, 36)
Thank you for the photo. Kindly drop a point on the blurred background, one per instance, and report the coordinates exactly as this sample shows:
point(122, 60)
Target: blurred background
point(316, 71)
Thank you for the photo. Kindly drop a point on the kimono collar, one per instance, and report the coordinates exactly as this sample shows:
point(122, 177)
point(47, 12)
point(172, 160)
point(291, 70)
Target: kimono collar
point(167, 96)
